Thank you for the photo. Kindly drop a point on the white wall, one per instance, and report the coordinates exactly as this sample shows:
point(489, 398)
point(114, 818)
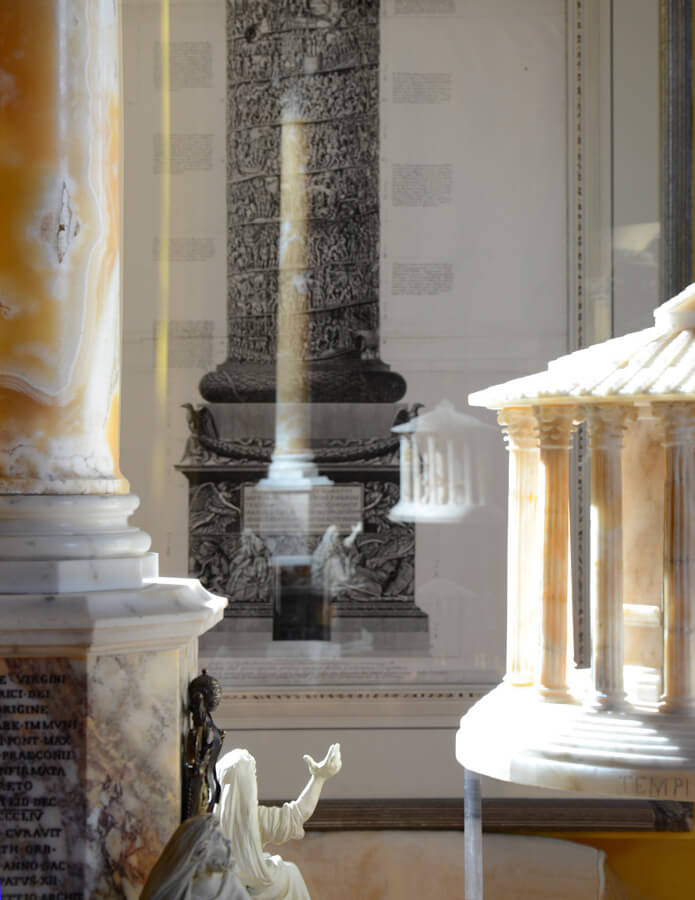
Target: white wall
point(153, 435)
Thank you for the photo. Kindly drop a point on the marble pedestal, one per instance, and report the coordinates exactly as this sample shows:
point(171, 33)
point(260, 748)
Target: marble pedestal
point(95, 655)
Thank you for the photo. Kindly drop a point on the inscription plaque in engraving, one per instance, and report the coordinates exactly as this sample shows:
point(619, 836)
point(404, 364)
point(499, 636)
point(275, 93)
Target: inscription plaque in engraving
point(41, 728)
point(281, 512)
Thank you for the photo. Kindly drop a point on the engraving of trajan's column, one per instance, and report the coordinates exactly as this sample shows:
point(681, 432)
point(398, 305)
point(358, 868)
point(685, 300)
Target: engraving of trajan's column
point(325, 55)
point(314, 65)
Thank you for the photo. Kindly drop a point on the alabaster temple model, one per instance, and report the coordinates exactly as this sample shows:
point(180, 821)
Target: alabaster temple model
point(626, 727)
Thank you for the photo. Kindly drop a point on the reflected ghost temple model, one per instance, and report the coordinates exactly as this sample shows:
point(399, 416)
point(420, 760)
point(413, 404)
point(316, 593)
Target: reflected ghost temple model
point(291, 465)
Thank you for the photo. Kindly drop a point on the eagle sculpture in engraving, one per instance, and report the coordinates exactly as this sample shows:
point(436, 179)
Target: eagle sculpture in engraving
point(406, 413)
point(200, 421)
point(200, 424)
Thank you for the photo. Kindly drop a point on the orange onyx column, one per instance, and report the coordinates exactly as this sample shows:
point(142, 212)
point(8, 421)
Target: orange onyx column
point(59, 247)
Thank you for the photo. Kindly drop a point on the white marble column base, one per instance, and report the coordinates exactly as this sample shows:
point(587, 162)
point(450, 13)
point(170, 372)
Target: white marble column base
point(66, 575)
point(164, 613)
point(92, 526)
point(74, 573)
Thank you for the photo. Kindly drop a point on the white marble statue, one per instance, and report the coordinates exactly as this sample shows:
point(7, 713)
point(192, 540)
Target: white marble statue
point(250, 827)
point(196, 864)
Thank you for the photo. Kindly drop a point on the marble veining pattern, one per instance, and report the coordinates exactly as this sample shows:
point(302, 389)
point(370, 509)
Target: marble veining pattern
point(133, 767)
point(108, 722)
point(59, 247)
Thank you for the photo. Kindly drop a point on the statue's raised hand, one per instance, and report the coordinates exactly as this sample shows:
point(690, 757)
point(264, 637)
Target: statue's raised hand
point(329, 766)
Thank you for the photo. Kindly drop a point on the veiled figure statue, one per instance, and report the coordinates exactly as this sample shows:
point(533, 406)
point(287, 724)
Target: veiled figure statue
point(196, 864)
point(250, 827)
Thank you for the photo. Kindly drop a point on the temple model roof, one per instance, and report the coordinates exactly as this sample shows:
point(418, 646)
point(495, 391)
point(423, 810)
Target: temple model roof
point(657, 363)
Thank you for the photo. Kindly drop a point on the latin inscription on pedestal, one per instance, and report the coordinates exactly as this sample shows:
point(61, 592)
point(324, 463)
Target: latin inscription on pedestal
point(42, 802)
point(278, 512)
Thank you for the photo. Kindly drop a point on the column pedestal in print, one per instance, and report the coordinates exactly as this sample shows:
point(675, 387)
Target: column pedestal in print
point(361, 563)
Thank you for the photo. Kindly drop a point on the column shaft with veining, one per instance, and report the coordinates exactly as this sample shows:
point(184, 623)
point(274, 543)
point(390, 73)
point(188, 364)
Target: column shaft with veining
point(555, 430)
point(679, 557)
point(523, 545)
point(59, 247)
point(606, 424)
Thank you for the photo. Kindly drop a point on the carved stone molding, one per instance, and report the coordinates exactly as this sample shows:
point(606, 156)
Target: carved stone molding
point(555, 426)
point(606, 425)
point(678, 421)
point(520, 427)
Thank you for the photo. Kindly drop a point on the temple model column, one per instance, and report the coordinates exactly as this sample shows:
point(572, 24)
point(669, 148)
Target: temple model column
point(523, 546)
point(95, 650)
point(606, 424)
point(679, 557)
point(555, 429)
point(409, 467)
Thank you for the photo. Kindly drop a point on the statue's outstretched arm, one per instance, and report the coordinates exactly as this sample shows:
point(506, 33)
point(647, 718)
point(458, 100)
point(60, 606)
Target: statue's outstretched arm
point(319, 774)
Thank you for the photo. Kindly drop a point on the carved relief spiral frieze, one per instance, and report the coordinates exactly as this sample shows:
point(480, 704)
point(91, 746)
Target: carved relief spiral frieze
point(339, 145)
point(325, 56)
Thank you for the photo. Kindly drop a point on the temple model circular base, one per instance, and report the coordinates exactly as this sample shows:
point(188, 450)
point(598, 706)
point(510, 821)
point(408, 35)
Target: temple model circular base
point(514, 734)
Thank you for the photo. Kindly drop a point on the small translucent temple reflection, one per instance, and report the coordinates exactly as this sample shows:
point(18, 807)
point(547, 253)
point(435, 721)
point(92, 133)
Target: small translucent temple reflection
point(442, 463)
